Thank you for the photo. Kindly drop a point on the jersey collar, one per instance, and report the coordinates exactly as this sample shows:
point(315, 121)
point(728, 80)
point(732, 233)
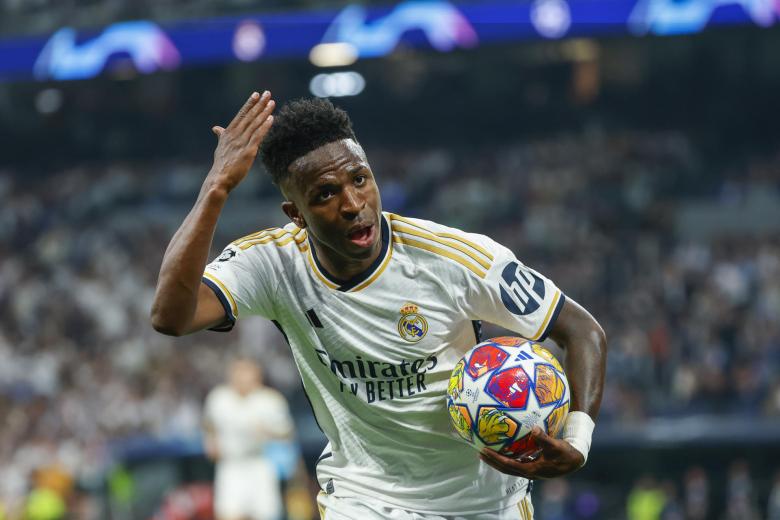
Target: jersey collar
point(361, 280)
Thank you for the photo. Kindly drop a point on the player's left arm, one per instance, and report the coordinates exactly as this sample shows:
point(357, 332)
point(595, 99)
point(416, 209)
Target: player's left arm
point(210, 443)
point(585, 347)
point(278, 423)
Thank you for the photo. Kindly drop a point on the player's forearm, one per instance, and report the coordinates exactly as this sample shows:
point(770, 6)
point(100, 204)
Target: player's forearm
point(587, 358)
point(176, 296)
point(268, 432)
point(210, 445)
point(178, 286)
point(585, 346)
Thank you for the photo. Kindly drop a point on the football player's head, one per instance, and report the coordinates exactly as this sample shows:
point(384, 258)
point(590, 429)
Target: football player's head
point(314, 157)
point(245, 375)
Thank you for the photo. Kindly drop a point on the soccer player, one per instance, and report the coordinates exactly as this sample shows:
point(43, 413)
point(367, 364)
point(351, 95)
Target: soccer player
point(377, 309)
point(240, 418)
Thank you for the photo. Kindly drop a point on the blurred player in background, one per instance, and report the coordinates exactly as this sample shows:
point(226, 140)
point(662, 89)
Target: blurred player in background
point(240, 418)
point(377, 308)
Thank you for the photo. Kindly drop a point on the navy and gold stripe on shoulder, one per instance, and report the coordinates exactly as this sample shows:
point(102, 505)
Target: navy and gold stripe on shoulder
point(225, 298)
point(277, 236)
point(552, 314)
point(457, 248)
point(254, 235)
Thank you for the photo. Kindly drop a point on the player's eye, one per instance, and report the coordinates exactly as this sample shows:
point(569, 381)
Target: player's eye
point(360, 180)
point(325, 194)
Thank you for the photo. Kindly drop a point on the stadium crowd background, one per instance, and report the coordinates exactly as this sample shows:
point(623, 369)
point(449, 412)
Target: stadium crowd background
point(692, 323)
point(667, 232)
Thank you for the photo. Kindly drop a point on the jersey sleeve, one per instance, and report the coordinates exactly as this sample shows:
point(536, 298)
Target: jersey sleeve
point(243, 282)
point(512, 295)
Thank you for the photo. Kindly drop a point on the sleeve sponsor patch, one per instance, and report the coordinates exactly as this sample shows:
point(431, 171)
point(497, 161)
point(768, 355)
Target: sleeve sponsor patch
point(522, 291)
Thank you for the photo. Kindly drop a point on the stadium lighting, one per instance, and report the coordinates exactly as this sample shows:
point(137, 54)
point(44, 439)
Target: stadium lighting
point(248, 41)
point(337, 84)
point(551, 18)
point(333, 54)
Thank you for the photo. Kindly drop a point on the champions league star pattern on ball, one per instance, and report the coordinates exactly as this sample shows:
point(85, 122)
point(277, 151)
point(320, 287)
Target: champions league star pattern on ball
point(501, 389)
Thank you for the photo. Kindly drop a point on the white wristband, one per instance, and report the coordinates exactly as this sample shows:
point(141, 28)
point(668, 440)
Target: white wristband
point(578, 431)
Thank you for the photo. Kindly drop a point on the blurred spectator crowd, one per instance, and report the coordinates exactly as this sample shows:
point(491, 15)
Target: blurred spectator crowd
point(690, 307)
point(689, 497)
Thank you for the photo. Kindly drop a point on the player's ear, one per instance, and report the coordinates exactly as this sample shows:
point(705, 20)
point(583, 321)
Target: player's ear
point(291, 210)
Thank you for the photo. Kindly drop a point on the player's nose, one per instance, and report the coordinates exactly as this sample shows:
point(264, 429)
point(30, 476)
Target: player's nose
point(352, 203)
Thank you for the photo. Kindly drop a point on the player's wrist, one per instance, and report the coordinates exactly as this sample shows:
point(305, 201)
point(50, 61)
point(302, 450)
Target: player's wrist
point(578, 432)
point(225, 176)
point(215, 189)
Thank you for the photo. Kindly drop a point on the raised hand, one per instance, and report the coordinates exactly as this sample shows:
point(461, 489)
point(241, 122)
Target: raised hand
point(556, 459)
point(239, 142)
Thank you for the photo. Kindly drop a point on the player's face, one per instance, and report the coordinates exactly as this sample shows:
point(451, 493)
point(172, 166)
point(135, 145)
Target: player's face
point(244, 376)
point(332, 192)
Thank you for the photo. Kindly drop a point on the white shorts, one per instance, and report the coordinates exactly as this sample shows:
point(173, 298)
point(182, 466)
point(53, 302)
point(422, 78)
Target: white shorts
point(247, 489)
point(347, 508)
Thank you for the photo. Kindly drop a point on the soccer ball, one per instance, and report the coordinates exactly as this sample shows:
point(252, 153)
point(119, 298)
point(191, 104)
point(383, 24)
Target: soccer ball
point(501, 389)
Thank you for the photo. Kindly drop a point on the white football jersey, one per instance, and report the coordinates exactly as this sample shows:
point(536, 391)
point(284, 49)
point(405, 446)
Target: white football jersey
point(375, 352)
point(244, 424)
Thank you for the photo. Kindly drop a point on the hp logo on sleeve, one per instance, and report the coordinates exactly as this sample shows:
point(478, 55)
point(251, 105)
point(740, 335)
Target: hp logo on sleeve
point(521, 289)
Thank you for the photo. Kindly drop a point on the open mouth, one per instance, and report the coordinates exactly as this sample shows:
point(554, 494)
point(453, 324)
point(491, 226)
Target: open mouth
point(363, 237)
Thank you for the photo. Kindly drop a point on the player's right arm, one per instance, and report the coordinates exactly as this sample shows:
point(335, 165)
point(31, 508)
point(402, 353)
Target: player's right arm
point(182, 303)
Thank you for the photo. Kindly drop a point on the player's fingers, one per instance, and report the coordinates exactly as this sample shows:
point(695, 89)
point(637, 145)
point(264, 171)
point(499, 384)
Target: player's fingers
point(261, 117)
point(244, 109)
point(260, 133)
point(542, 440)
point(509, 469)
point(490, 461)
point(217, 130)
point(495, 457)
point(252, 113)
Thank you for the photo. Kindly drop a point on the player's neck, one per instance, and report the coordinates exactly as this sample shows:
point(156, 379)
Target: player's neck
point(342, 267)
point(244, 391)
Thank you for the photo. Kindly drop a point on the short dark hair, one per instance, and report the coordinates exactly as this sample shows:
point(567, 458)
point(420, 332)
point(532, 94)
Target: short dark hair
point(299, 127)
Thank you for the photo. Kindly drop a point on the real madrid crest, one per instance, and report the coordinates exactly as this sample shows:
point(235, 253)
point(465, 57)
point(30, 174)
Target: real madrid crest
point(412, 326)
